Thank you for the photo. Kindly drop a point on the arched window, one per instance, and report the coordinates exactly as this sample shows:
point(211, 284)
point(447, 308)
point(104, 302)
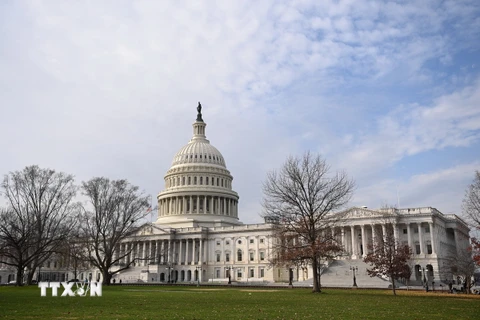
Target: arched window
point(206, 181)
point(194, 180)
point(201, 180)
point(189, 180)
point(239, 255)
point(183, 181)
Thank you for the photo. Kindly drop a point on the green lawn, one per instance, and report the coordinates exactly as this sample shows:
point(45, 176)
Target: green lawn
point(145, 302)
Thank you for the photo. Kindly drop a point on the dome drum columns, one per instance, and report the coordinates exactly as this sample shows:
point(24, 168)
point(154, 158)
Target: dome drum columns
point(196, 205)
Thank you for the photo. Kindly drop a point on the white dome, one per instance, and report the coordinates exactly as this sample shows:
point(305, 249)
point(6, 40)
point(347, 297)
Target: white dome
point(198, 151)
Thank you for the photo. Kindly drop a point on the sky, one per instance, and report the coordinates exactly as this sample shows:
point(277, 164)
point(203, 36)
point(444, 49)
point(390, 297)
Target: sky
point(387, 91)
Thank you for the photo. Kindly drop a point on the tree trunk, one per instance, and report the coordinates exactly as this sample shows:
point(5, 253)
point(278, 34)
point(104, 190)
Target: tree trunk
point(107, 277)
point(316, 287)
point(31, 273)
point(393, 286)
point(20, 276)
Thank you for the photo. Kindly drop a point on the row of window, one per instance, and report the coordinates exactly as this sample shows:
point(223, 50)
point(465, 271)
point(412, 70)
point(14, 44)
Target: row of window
point(251, 256)
point(219, 182)
point(239, 241)
point(239, 273)
point(200, 156)
point(415, 230)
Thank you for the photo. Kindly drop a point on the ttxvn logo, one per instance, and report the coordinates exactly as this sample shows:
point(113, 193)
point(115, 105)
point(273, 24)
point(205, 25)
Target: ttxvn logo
point(71, 289)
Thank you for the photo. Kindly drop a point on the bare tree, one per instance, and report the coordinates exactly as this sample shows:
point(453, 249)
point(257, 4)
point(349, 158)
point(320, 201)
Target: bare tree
point(471, 202)
point(476, 251)
point(302, 200)
point(39, 217)
point(116, 208)
point(387, 256)
point(462, 266)
point(73, 255)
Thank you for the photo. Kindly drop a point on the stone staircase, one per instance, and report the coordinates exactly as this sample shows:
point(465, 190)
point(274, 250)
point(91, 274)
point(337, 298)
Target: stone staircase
point(338, 274)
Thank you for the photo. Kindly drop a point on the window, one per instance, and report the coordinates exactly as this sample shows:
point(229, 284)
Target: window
point(252, 273)
point(251, 255)
point(239, 241)
point(262, 240)
point(194, 180)
point(227, 257)
point(429, 248)
point(183, 181)
point(218, 182)
point(239, 273)
point(417, 248)
point(262, 273)
point(239, 255)
point(201, 180)
point(218, 243)
point(217, 273)
point(262, 256)
point(189, 180)
point(415, 230)
point(251, 240)
point(405, 231)
point(227, 242)
point(206, 181)
point(218, 257)
point(427, 229)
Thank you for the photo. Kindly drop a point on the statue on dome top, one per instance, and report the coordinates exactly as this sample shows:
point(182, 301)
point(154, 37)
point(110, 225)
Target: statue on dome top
point(199, 114)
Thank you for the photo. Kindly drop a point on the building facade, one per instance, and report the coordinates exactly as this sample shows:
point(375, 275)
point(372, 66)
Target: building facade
point(198, 235)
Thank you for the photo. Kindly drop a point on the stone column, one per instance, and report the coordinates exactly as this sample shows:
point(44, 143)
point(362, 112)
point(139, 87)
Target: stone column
point(384, 233)
point(420, 237)
point(191, 205)
point(193, 251)
point(364, 240)
point(186, 251)
point(432, 238)
point(180, 252)
point(169, 251)
point(395, 233)
point(184, 205)
point(204, 204)
point(144, 244)
point(198, 204)
point(200, 254)
point(352, 232)
point(409, 233)
point(343, 237)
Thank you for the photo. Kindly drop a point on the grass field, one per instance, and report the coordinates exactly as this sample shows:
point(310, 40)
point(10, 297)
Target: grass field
point(137, 302)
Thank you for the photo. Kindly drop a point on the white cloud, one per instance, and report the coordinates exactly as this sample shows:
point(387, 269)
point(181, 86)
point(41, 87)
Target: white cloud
point(110, 88)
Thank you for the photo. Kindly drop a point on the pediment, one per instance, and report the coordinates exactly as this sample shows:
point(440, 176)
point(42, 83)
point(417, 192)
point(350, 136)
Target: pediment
point(149, 229)
point(356, 212)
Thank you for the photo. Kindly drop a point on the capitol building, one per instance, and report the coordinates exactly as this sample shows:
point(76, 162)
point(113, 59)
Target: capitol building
point(198, 235)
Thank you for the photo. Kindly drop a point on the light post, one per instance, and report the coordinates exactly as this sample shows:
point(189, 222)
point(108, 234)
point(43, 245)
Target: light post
point(199, 269)
point(229, 275)
point(169, 270)
point(425, 283)
point(354, 270)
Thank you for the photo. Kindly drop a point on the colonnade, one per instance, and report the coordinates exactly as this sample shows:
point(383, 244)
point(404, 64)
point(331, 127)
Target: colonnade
point(357, 239)
point(198, 205)
point(171, 251)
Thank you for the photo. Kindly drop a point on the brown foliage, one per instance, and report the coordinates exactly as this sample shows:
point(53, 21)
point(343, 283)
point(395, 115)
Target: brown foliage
point(389, 258)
